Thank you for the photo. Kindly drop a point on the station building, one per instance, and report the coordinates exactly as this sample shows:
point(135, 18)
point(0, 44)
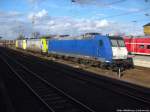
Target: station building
point(147, 29)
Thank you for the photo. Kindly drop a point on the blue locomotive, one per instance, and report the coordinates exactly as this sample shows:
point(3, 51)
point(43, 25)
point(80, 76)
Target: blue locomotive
point(108, 50)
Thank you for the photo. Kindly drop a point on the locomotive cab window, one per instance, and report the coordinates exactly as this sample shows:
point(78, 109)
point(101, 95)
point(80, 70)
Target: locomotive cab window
point(100, 43)
point(148, 46)
point(141, 46)
point(114, 43)
point(121, 43)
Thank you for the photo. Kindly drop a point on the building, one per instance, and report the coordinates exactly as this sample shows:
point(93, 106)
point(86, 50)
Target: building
point(147, 29)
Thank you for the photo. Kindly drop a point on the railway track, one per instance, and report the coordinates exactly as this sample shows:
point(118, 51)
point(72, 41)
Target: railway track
point(53, 98)
point(17, 97)
point(123, 89)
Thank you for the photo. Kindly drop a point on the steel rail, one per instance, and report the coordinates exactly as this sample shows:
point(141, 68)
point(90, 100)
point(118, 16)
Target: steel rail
point(46, 82)
point(125, 93)
point(129, 94)
point(12, 69)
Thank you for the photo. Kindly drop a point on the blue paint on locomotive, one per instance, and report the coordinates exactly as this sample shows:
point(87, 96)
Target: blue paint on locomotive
point(98, 47)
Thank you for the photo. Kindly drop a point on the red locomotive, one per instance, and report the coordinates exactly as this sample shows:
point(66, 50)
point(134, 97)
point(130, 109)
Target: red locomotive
point(138, 45)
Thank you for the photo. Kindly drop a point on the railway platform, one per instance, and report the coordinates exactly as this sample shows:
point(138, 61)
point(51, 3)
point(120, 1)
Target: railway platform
point(143, 61)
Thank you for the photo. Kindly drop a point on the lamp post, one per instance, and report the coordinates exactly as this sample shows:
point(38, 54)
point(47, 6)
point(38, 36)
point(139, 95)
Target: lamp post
point(133, 46)
point(33, 23)
point(133, 27)
point(147, 14)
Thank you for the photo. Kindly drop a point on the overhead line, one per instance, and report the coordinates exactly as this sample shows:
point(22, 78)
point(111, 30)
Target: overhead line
point(126, 13)
point(96, 3)
point(142, 20)
point(114, 2)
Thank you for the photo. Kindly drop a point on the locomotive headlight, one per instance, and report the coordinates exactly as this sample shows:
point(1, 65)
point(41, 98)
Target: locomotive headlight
point(114, 56)
point(107, 61)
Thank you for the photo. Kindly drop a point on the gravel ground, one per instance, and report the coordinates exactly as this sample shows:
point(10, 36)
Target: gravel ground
point(138, 76)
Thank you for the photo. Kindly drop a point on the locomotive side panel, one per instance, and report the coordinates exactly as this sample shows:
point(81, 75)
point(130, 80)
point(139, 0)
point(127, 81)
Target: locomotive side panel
point(98, 47)
point(16, 44)
point(24, 44)
point(44, 45)
point(34, 45)
point(80, 47)
point(20, 44)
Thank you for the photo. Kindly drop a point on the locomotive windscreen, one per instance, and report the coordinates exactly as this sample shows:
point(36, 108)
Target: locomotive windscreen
point(117, 43)
point(114, 43)
point(121, 43)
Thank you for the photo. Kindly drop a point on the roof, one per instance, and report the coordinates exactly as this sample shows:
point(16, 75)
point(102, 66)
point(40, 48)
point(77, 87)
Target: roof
point(148, 24)
point(115, 37)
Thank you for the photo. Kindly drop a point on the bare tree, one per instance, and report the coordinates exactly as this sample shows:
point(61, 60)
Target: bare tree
point(35, 34)
point(1, 37)
point(20, 37)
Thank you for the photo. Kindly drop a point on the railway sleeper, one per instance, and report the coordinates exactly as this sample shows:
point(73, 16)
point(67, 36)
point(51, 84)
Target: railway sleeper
point(47, 98)
point(46, 93)
point(57, 102)
point(64, 105)
point(59, 108)
point(44, 90)
point(40, 88)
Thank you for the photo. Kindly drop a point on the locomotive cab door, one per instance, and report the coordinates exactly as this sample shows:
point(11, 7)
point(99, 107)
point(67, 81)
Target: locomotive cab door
point(44, 45)
point(16, 43)
point(24, 44)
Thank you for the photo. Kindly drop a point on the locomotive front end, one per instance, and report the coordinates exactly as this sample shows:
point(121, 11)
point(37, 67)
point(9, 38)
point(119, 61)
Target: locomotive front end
point(119, 54)
point(119, 50)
